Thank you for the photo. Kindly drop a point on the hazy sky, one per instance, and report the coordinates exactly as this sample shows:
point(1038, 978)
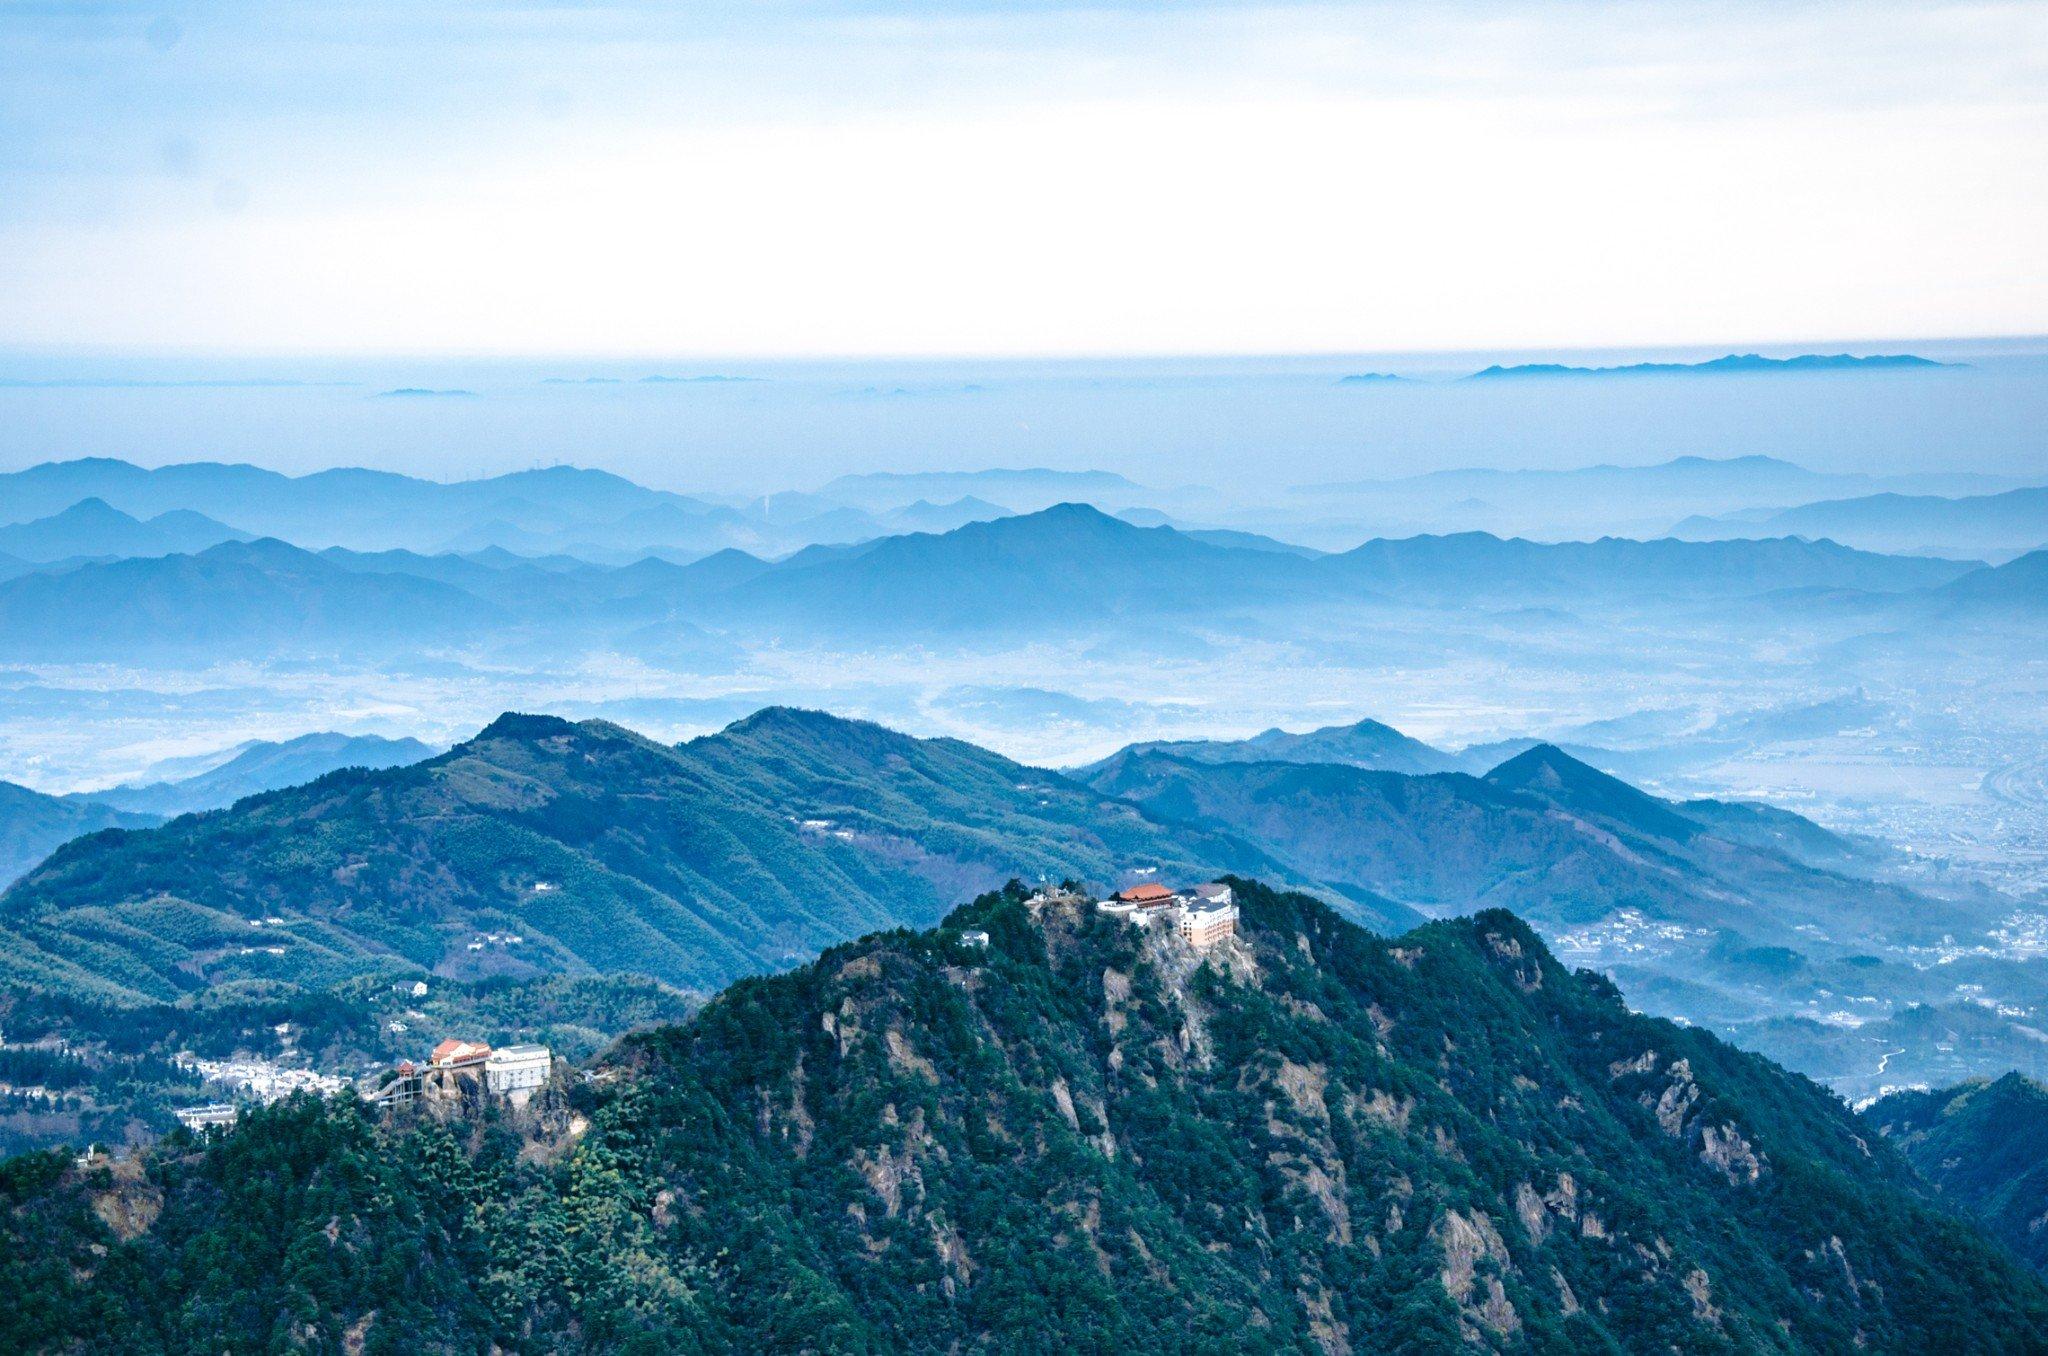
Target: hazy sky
point(877, 178)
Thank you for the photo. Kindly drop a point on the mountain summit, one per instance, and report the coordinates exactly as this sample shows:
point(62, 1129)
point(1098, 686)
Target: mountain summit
point(1039, 1128)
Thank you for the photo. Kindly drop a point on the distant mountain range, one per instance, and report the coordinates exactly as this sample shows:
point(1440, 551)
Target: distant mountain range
point(1072, 563)
point(1729, 365)
point(536, 512)
point(32, 825)
point(261, 765)
point(560, 510)
point(1606, 500)
point(93, 528)
point(1071, 567)
point(2013, 522)
point(1559, 842)
point(604, 519)
point(1366, 744)
point(1028, 489)
point(238, 598)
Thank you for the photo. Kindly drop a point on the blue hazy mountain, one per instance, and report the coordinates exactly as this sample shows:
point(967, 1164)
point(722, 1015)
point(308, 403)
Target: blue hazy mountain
point(1732, 364)
point(92, 527)
point(1071, 568)
point(1480, 565)
point(262, 765)
point(1585, 502)
point(1997, 524)
point(346, 506)
point(926, 516)
point(558, 510)
point(1075, 563)
point(1365, 744)
point(2018, 587)
point(1032, 488)
point(33, 825)
point(607, 519)
point(1068, 562)
point(240, 598)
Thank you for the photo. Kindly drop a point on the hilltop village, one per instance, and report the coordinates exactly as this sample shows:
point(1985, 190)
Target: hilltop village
point(453, 1071)
point(456, 1070)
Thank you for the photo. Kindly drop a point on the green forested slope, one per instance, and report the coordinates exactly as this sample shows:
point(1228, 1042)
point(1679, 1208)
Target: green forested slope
point(1543, 834)
point(32, 824)
point(1087, 1138)
point(1984, 1146)
point(601, 851)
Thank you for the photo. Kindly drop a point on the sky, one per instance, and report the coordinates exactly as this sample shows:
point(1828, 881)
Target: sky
point(780, 180)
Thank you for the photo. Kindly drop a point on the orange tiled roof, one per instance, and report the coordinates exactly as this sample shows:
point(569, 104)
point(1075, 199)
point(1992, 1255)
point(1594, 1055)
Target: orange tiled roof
point(1148, 893)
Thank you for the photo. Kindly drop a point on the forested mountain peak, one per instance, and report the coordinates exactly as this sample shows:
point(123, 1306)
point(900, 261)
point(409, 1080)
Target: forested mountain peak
point(1089, 1134)
point(1550, 772)
point(546, 846)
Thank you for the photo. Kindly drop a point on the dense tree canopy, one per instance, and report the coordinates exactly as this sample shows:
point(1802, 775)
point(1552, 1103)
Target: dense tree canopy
point(1087, 1137)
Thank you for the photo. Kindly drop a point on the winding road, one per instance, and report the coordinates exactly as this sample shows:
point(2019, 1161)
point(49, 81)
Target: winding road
point(2024, 783)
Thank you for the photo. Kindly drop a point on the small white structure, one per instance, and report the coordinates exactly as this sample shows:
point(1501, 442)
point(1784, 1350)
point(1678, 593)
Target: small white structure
point(975, 938)
point(419, 988)
point(514, 1071)
point(198, 1118)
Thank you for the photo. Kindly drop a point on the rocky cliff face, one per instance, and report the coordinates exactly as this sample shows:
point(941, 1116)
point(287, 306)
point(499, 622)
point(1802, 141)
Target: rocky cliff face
point(1306, 1137)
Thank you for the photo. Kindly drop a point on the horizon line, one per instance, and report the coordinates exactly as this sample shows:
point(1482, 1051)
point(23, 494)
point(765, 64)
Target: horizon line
point(400, 354)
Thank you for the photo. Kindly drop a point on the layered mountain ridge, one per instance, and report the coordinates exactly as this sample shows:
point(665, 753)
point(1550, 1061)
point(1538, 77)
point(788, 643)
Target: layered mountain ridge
point(1064, 567)
point(598, 850)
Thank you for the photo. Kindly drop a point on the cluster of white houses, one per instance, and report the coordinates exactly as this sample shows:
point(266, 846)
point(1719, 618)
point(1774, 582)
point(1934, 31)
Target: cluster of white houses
point(510, 1071)
point(1203, 915)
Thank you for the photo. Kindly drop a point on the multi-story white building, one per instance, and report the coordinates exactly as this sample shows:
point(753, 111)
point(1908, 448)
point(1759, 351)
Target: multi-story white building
point(514, 1071)
point(1207, 920)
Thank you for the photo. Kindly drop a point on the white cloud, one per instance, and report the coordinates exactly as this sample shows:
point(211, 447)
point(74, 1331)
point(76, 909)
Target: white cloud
point(1242, 180)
